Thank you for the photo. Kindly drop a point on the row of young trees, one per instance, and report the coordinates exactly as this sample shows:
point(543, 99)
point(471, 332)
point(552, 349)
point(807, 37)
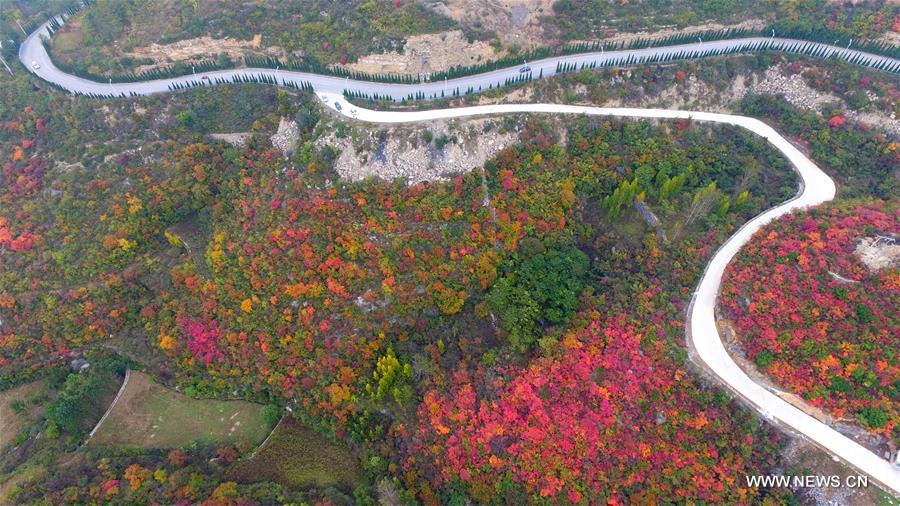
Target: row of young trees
point(822, 35)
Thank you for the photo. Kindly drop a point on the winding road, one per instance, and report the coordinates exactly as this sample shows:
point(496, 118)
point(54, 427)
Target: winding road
point(32, 51)
point(703, 333)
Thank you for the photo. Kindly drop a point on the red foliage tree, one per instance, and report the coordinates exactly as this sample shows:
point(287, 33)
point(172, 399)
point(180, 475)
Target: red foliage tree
point(815, 318)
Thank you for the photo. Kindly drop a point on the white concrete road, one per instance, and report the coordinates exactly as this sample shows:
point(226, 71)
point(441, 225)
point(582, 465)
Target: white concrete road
point(32, 51)
point(817, 188)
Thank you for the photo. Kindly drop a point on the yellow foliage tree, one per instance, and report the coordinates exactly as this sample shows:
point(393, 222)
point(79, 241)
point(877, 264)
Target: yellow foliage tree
point(337, 393)
point(486, 269)
point(174, 241)
point(567, 193)
point(136, 475)
point(126, 245)
point(167, 342)
point(448, 300)
point(390, 377)
point(134, 204)
point(225, 490)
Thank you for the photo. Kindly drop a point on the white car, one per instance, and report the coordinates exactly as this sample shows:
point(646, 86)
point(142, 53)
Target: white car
point(35, 65)
point(354, 112)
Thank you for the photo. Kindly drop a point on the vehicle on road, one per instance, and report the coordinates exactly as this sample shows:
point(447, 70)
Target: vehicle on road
point(354, 112)
point(35, 65)
point(337, 105)
point(205, 77)
point(525, 69)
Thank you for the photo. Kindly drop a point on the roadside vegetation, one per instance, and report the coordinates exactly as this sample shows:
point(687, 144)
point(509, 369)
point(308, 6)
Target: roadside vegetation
point(590, 19)
point(123, 40)
point(324, 32)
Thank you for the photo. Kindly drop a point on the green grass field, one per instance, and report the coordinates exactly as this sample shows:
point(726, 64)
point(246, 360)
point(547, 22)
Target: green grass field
point(149, 415)
point(298, 457)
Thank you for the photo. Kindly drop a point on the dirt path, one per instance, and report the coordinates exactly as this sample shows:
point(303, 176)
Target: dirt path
point(111, 406)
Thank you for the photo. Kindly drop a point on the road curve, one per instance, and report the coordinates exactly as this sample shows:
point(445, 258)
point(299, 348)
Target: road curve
point(816, 188)
point(32, 51)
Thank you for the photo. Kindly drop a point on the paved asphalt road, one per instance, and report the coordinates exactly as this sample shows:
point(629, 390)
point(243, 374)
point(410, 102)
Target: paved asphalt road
point(32, 51)
point(817, 187)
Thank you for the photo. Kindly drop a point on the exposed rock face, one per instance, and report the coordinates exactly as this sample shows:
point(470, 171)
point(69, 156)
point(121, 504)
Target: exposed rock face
point(879, 252)
point(516, 22)
point(238, 139)
point(795, 90)
point(427, 53)
point(403, 152)
point(200, 48)
point(285, 140)
point(652, 221)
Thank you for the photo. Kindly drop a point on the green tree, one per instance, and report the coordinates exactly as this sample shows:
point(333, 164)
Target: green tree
point(624, 194)
point(74, 409)
point(542, 288)
point(874, 418)
point(517, 311)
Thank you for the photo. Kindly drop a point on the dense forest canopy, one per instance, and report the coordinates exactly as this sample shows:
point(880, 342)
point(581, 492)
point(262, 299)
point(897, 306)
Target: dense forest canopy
point(512, 334)
point(238, 270)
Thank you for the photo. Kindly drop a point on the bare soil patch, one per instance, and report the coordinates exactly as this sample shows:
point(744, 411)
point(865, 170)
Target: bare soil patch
point(431, 151)
point(878, 253)
point(424, 54)
point(69, 40)
point(515, 22)
point(200, 48)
